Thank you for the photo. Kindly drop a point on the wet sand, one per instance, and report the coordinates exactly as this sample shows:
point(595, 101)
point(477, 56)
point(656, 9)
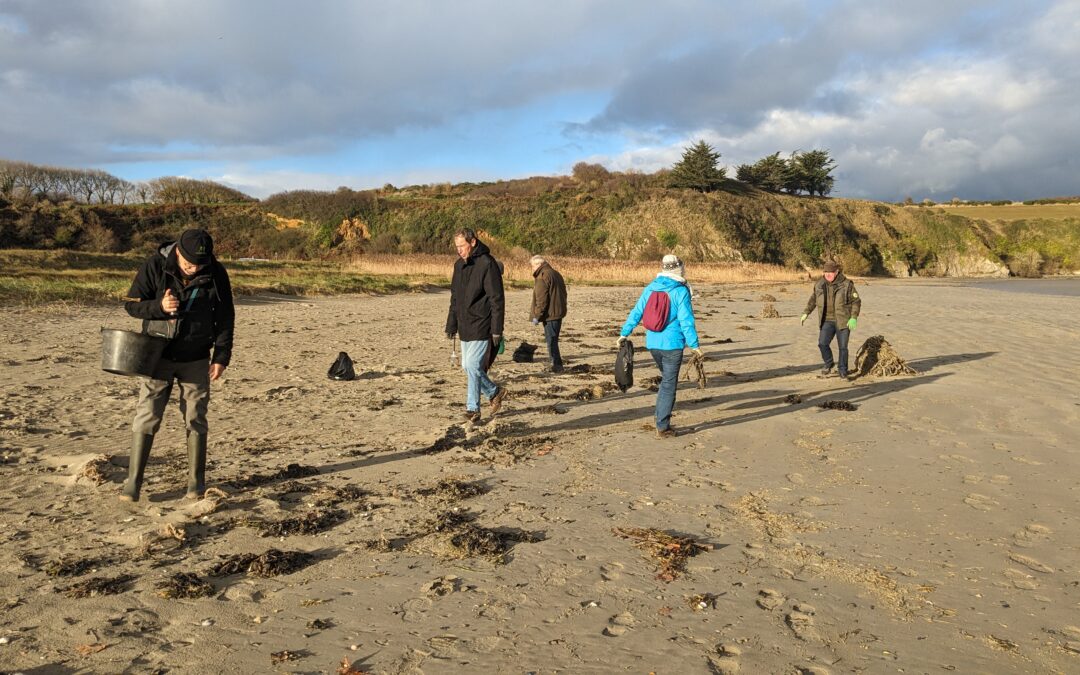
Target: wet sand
point(930, 529)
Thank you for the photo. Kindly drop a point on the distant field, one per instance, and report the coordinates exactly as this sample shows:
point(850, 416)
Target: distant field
point(1015, 211)
point(33, 277)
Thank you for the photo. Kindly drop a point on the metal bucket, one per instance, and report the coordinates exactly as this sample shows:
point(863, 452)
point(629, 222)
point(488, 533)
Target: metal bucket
point(126, 352)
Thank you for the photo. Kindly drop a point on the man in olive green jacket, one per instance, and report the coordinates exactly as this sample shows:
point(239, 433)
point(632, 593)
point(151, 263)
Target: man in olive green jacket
point(549, 306)
point(838, 306)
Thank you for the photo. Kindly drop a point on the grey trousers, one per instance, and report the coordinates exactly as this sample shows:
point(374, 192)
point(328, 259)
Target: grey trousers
point(154, 392)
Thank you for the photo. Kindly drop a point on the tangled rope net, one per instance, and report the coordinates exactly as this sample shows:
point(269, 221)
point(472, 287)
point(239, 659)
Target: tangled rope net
point(877, 357)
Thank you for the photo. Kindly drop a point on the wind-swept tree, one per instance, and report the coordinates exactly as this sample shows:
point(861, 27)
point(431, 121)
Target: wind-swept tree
point(812, 171)
point(698, 169)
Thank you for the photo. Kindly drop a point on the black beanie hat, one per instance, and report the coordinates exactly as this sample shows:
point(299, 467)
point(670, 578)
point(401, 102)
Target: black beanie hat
point(196, 246)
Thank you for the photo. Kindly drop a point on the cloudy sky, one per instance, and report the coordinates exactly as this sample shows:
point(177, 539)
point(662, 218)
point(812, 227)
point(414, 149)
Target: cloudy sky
point(927, 98)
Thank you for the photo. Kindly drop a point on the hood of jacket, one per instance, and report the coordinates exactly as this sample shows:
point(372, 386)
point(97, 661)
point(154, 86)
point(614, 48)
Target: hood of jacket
point(664, 284)
point(478, 250)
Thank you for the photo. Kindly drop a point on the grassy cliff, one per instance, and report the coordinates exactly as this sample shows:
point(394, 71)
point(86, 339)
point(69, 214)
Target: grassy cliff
point(628, 217)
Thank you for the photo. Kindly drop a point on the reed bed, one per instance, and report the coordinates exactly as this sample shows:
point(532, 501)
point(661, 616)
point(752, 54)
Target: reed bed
point(588, 271)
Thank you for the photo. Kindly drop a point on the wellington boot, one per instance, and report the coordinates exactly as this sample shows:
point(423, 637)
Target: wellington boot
point(196, 457)
point(140, 453)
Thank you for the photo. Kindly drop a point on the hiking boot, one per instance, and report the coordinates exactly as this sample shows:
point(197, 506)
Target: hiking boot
point(556, 369)
point(140, 453)
point(666, 433)
point(497, 399)
point(472, 416)
point(826, 371)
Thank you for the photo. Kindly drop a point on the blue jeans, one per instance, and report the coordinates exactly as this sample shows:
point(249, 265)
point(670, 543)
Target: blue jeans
point(828, 330)
point(668, 361)
point(551, 336)
point(472, 362)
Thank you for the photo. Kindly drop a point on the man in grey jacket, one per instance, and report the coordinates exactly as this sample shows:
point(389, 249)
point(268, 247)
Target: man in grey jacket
point(838, 306)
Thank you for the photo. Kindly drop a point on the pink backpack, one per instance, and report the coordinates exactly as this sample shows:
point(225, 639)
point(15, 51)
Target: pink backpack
point(657, 309)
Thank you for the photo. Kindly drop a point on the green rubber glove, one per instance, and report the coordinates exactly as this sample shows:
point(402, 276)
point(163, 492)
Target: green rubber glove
point(851, 323)
point(802, 319)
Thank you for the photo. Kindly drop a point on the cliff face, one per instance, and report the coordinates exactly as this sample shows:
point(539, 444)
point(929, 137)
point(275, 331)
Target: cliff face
point(622, 222)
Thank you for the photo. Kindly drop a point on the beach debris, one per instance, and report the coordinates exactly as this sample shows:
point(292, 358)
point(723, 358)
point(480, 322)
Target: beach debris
point(702, 601)
point(452, 489)
point(669, 551)
point(184, 585)
point(442, 586)
point(286, 655)
point(327, 496)
point(838, 405)
point(380, 545)
point(553, 410)
point(311, 522)
point(320, 624)
point(97, 586)
point(696, 367)
point(272, 563)
point(168, 537)
point(291, 471)
point(96, 469)
point(349, 668)
point(456, 536)
point(765, 297)
point(579, 369)
point(769, 311)
point(793, 399)
point(743, 328)
point(877, 357)
point(87, 650)
point(723, 341)
point(589, 393)
point(652, 383)
point(71, 567)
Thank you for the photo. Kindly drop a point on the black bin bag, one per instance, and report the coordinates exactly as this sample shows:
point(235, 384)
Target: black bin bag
point(624, 366)
point(342, 369)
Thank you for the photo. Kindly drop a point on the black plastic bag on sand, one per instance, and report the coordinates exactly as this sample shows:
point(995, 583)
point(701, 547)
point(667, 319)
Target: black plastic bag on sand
point(342, 368)
point(624, 366)
point(524, 353)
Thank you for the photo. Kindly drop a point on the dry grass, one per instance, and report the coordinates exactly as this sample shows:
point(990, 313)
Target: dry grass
point(1015, 211)
point(590, 271)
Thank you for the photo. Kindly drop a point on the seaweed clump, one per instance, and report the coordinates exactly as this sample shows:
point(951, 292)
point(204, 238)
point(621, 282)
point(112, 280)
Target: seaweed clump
point(877, 357)
point(184, 585)
point(838, 405)
point(312, 522)
point(97, 586)
point(272, 563)
point(670, 552)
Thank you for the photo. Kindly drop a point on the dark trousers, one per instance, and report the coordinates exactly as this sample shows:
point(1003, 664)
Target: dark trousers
point(551, 336)
point(668, 361)
point(825, 336)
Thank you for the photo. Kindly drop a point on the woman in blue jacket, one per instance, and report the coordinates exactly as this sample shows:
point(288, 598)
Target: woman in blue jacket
point(667, 343)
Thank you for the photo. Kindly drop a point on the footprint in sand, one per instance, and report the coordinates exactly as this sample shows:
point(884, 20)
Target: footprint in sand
point(770, 599)
point(1021, 579)
point(415, 609)
point(727, 660)
point(1032, 535)
point(619, 624)
point(611, 571)
point(801, 622)
point(980, 502)
point(1030, 563)
point(796, 478)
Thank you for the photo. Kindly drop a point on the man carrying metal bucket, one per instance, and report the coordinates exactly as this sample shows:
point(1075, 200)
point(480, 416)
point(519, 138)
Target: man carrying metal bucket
point(181, 293)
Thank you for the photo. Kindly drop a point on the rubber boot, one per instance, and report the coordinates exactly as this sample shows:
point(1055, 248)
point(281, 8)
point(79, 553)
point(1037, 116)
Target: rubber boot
point(140, 452)
point(196, 457)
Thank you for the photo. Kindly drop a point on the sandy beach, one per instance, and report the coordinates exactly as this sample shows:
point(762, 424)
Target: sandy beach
point(928, 530)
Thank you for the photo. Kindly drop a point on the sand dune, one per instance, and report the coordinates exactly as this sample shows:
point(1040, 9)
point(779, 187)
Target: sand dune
point(927, 530)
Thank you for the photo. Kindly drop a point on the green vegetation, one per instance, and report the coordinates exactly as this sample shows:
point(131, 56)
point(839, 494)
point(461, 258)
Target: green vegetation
point(594, 213)
point(36, 277)
point(698, 169)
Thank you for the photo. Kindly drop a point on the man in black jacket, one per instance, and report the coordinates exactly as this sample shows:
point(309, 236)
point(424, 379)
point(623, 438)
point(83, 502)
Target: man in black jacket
point(181, 293)
point(476, 316)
